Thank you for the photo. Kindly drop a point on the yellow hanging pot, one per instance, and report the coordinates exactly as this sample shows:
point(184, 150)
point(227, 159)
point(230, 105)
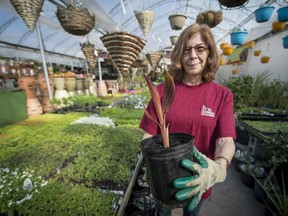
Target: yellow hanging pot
point(250, 44)
point(235, 71)
point(223, 45)
point(222, 60)
point(228, 50)
point(257, 52)
point(265, 59)
point(278, 26)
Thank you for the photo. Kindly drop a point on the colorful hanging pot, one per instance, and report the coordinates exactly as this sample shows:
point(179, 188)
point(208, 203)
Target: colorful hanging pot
point(278, 26)
point(228, 50)
point(257, 52)
point(265, 59)
point(145, 19)
point(250, 44)
point(264, 13)
point(238, 37)
point(283, 14)
point(177, 21)
point(235, 71)
point(285, 42)
point(223, 45)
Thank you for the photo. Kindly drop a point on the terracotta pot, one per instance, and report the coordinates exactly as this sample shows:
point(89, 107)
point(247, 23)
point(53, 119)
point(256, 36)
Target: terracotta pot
point(177, 21)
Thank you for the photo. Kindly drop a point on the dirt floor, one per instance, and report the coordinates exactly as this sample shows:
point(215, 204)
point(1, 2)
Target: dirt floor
point(230, 198)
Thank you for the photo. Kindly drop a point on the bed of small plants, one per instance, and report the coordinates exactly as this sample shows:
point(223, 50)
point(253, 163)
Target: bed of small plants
point(49, 166)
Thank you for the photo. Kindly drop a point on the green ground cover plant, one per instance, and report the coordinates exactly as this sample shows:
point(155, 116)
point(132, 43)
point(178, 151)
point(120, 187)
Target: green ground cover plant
point(66, 163)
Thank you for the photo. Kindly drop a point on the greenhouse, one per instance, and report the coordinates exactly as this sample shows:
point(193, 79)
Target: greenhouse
point(155, 107)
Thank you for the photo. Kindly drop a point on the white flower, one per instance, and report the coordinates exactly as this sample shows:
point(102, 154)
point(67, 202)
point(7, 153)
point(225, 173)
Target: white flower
point(1, 187)
point(10, 203)
point(44, 183)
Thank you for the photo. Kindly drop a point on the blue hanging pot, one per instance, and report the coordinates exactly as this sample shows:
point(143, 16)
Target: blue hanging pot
point(238, 38)
point(283, 14)
point(264, 13)
point(285, 42)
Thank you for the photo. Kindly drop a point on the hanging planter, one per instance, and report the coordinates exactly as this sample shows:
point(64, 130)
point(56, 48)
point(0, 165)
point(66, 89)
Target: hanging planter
point(235, 71)
point(283, 14)
point(75, 21)
point(223, 45)
point(250, 44)
point(154, 58)
point(222, 60)
point(265, 59)
point(145, 19)
point(257, 52)
point(89, 51)
point(28, 10)
point(173, 39)
point(228, 50)
point(232, 3)
point(210, 18)
point(264, 13)
point(177, 21)
point(285, 42)
point(124, 49)
point(238, 37)
point(278, 26)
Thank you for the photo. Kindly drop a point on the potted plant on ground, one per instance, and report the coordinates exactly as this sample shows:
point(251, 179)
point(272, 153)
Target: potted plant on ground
point(162, 153)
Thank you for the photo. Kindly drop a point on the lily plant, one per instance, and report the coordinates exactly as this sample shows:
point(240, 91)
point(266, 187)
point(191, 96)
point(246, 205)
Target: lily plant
point(162, 106)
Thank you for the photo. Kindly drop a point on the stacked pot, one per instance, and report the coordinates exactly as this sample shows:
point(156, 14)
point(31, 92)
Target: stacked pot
point(124, 49)
point(89, 51)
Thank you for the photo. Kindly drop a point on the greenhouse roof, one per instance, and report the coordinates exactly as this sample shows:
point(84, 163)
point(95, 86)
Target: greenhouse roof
point(118, 15)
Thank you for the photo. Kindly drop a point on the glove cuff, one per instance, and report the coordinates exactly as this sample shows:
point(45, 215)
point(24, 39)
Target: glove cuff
point(222, 157)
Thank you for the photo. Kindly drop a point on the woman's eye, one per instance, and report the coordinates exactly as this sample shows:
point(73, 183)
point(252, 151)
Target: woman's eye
point(186, 51)
point(200, 48)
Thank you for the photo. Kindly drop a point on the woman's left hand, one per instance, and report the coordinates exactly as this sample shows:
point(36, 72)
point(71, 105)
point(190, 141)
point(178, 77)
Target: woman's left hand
point(207, 173)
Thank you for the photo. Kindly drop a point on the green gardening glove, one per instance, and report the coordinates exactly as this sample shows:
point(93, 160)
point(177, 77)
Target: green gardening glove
point(207, 173)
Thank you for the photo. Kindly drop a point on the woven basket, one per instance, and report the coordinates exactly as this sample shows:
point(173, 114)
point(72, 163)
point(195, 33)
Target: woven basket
point(75, 21)
point(88, 50)
point(29, 10)
point(233, 3)
point(210, 18)
point(154, 58)
point(145, 19)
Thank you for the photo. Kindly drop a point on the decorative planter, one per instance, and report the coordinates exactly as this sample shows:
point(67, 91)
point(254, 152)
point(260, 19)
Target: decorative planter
point(250, 44)
point(278, 26)
point(163, 166)
point(124, 49)
point(59, 83)
point(257, 52)
point(70, 84)
point(223, 45)
point(173, 39)
point(154, 58)
point(145, 19)
point(263, 14)
point(75, 21)
point(28, 10)
point(238, 38)
point(232, 3)
point(285, 41)
point(89, 51)
point(210, 18)
point(177, 21)
point(265, 59)
point(228, 50)
point(283, 14)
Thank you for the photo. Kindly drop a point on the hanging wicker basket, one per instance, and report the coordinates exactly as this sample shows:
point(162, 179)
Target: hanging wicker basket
point(210, 18)
point(233, 3)
point(75, 21)
point(154, 58)
point(29, 10)
point(89, 49)
point(124, 49)
point(145, 19)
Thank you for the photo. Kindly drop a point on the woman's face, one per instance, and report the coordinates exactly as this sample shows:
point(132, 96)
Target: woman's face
point(195, 55)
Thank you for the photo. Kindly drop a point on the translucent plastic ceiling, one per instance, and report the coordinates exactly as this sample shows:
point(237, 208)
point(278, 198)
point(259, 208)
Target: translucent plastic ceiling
point(118, 15)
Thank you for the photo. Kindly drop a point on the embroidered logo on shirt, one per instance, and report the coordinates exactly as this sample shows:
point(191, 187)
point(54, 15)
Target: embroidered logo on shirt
point(207, 112)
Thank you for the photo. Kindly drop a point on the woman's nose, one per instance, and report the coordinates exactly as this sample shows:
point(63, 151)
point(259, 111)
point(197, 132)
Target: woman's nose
point(192, 53)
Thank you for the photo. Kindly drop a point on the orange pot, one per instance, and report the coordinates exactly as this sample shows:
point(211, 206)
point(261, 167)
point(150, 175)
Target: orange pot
point(257, 52)
point(265, 59)
point(278, 26)
point(223, 45)
point(228, 50)
point(250, 44)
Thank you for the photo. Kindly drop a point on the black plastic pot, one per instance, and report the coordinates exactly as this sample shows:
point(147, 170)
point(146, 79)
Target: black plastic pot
point(163, 166)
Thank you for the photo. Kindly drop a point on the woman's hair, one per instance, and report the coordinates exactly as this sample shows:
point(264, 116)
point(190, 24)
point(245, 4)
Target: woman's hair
point(212, 64)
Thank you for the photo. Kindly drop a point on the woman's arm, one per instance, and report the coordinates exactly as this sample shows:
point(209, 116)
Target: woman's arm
point(146, 135)
point(225, 149)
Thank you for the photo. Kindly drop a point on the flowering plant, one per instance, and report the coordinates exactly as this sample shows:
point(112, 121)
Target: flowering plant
point(163, 106)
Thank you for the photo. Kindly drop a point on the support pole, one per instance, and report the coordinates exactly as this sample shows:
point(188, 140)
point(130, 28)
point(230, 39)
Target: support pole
point(44, 61)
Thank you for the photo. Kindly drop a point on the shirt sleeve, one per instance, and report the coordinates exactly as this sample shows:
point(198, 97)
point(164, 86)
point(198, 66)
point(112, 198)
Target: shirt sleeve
point(226, 122)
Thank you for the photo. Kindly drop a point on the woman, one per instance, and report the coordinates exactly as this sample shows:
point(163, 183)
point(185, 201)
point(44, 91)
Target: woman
point(201, 108)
